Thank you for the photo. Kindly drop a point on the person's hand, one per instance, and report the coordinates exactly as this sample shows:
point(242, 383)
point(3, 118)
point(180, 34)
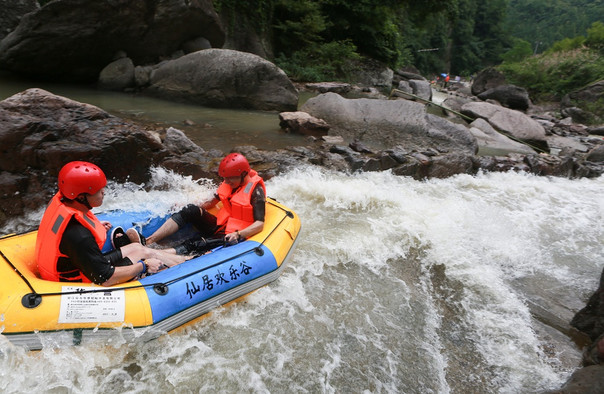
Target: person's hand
point(232, 238)
point(154, 265)
point(107, 225)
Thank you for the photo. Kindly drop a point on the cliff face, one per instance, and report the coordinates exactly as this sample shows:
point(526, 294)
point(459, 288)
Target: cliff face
point(243, 35)
point(72, 40)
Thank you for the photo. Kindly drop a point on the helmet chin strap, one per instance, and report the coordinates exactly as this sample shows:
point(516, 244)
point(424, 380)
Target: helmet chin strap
point(83, 199)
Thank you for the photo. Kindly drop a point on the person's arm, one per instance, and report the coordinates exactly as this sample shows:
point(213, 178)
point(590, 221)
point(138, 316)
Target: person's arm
point(259, 204)
point(125, 273)
point(79, 245)
point(210, 204)
point(81, 248)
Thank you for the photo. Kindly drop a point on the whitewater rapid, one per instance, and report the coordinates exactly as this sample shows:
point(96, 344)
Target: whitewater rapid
point(396, 286)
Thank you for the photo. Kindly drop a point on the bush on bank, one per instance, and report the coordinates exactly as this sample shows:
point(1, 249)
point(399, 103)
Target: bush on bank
point(550, 76)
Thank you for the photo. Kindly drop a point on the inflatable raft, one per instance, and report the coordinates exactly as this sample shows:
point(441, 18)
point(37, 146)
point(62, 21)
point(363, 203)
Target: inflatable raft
point(35, 312)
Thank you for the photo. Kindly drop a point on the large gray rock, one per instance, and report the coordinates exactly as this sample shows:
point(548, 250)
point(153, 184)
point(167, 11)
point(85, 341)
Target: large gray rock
point(40, 132)
point(383, 124)
point(487, 79)
point(581, 103)
point(589, 380)
point(494, 142)
point(303, 123)
point(370, 72)
point(421, 89)
point(509, 96)
point(11, 12)
point(510, 122)
point(118, 75)
point(74, 39)
point(596, 154)
point(591, 93)
point(224, 78)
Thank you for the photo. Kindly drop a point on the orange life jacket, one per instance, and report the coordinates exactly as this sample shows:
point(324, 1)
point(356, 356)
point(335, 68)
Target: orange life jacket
point(237, 212)
point(53, 224)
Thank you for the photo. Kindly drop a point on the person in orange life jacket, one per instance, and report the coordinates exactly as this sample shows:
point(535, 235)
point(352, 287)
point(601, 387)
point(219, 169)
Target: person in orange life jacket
point(70, 237)
point(243, 198)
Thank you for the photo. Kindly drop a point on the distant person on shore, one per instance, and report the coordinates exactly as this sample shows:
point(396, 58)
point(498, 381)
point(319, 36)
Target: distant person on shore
point(243, 197)
point(71, 237)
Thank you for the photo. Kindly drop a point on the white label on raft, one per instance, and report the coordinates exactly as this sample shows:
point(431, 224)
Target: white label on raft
point(101, 307)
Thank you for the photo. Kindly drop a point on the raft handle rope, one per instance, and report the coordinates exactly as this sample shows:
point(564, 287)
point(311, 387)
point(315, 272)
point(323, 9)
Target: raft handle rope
point(33, 299)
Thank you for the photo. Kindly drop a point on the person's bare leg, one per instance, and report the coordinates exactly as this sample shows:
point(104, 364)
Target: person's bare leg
point(168, 228)
point(136, 251)
point(169, 256)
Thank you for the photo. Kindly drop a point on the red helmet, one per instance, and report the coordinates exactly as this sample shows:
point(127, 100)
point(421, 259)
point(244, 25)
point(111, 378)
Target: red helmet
point(234, 164)
point(79, 177)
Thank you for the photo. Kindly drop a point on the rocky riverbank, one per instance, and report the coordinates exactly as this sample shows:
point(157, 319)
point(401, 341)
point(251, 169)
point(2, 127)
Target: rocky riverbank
point(40, 131)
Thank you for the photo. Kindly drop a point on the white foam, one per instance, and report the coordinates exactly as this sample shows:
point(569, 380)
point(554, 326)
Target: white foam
point(359, 305)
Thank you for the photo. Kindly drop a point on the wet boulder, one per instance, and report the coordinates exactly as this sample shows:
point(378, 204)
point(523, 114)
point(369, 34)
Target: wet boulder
point(384, 124)
point(72, 40)
point(585, 380)
point(224, 78)
point(590, 319)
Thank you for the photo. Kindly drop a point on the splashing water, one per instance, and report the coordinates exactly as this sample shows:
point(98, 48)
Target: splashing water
point(396, 285)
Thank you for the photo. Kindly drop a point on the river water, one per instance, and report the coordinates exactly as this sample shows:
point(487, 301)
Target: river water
point(396, 286)
point(209, 128)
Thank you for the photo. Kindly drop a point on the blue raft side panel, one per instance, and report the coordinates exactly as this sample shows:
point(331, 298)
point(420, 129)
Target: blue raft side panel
point(198, 279)
point(207, 276)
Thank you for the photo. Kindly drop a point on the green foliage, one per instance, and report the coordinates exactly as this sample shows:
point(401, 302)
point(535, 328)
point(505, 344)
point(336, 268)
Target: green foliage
point(551, 76)
point(596, 108)
point(256, 13)
point(543, 22)
point(595, 36)
point(325, 62)
point(568, 44)
point(298, 25)
point(459, 36)
point(520, 51)
point(369, 24)
point(317, 39)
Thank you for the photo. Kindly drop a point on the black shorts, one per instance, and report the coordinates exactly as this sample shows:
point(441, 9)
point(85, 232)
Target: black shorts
point(114, 257)
point(204, 222)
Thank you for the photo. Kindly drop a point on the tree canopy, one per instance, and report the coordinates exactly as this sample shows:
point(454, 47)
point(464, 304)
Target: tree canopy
point(320, 39)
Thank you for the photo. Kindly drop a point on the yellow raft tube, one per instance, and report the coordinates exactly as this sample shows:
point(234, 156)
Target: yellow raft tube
point(34, 311)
